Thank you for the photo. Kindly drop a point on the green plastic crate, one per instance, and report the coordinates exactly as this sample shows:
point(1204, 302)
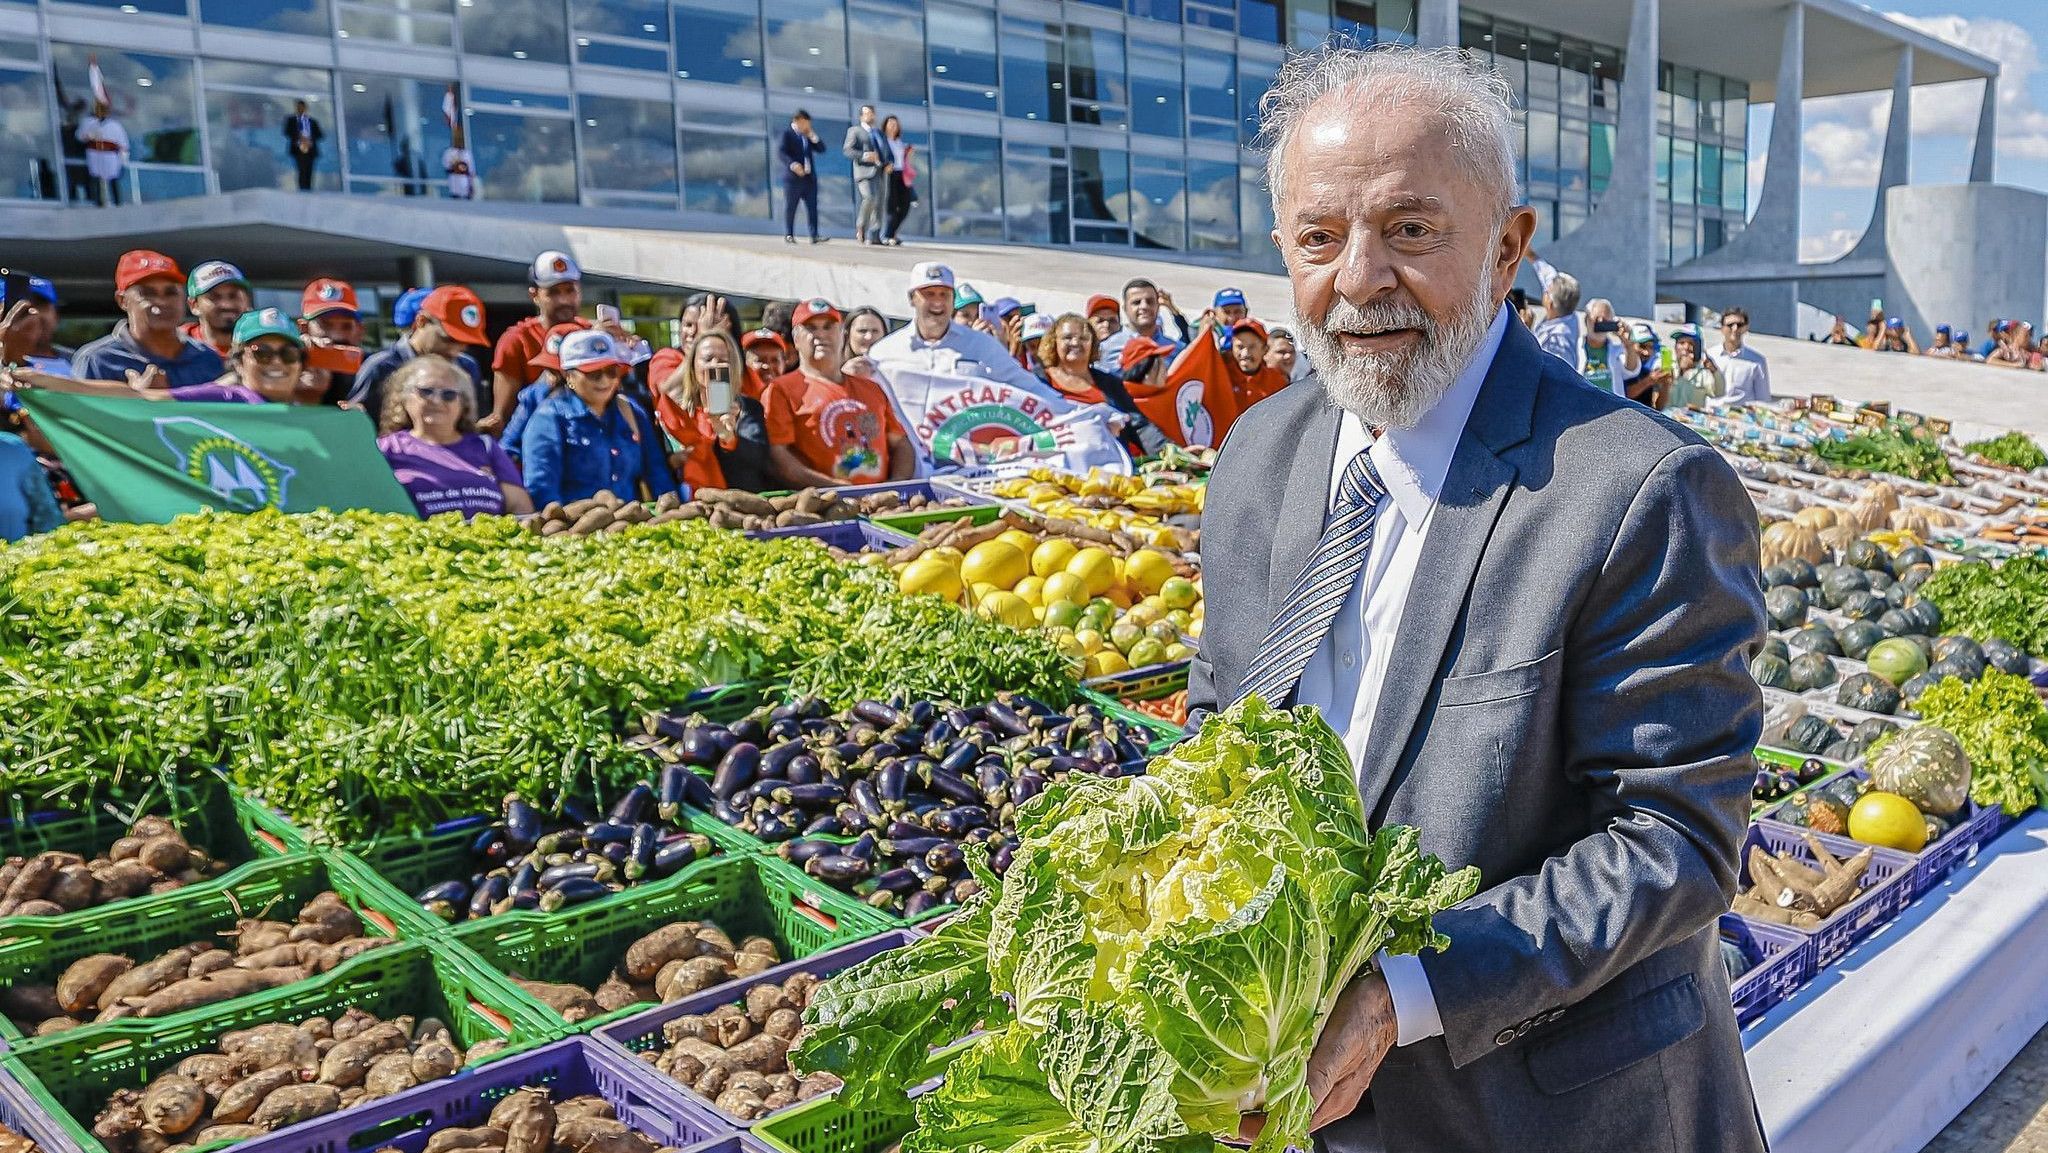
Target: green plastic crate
point(39, 949)
point(72, 1074)
point(745, 896)
point(823, 1125)
point(912, 523)
point(1164, 734)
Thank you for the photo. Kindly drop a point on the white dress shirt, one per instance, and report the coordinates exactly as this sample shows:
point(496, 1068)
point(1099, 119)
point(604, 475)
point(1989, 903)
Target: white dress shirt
point(1747, 373)
point(1345, 673)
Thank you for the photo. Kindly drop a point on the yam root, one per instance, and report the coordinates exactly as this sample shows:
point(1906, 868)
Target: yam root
point(80, 986)
point(391, 1073)
point(452, 1140)
point(527, 1119)
point(573, 1002)
point(679, 979)
point(172, 1104)
point(240, 1101)
point(147, 978)
point(295, 1103)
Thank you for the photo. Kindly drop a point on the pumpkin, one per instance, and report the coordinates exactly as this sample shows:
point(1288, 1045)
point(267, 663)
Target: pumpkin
point(1771, 672)
point(2006, 656)
point(1786, 607)
point(1788, 539)
point(1863, 516)
point(1856, 637)
point(1837, 540)
point(1896, 660)
point(1881, 494)
point(1869, 693)
point(1927, 766)
point(1809, 671)
point(1818, 517)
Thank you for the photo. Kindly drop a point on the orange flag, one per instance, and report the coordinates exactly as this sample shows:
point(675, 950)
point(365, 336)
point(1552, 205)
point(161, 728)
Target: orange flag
point(1193, 406)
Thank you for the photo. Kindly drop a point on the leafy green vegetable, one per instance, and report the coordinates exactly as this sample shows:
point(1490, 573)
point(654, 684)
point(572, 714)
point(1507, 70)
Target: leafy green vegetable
point(367, 673)
point(1158, 960)
point(1893, 448)
point(2014, 449)
point(2008, 600)
point(2001, 724)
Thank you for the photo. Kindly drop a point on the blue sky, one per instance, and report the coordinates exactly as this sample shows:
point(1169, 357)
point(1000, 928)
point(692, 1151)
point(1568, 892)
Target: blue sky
point(1845, 134)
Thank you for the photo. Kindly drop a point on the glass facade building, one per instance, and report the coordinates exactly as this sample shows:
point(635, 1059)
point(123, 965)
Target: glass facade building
point(1117, 123)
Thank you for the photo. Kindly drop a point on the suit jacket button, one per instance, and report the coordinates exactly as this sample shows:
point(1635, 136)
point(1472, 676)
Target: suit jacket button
point(1504, 1036)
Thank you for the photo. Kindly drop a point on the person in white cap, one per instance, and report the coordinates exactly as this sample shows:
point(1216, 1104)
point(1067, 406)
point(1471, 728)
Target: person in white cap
point(935, 341)
point(587, 437)
point(555, 285)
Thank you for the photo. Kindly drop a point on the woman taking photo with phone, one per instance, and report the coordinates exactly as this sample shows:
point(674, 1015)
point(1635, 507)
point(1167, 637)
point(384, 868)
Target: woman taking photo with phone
point(717, 436)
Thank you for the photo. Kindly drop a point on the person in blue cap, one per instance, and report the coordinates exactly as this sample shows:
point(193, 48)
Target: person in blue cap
point(1944, 343)
point(1229, 307)
point(1896, 337)
point(407, 310)
point(29, 326)
point(1994, 335)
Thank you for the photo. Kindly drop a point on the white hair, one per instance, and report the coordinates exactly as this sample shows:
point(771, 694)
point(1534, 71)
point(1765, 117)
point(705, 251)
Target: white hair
point(1600, 304)
point(1471, 99)
point(1563, 292)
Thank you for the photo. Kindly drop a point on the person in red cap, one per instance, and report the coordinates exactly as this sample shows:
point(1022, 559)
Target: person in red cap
point(151, 292)
point(450, 319)
point(1104, 315)
point(555, 285)
point(333, 325)
point(547, 369)
point(826, 427)
point(768, 356)
point(1255, 380)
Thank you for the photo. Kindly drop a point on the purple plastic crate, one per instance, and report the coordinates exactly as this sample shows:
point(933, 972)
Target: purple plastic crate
point(642, 1031)
point(845, 535)
point(1781, 960)
point(570, 1068)
point(20, 1114)
point(1975, 826)
point(1888, 887)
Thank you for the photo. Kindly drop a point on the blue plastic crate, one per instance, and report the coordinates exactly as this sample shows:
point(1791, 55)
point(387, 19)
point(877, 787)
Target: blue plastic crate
point(845, 535)
point(1974, 827)
point(1888, 887)
point(19, 1112)
point(1781, 960)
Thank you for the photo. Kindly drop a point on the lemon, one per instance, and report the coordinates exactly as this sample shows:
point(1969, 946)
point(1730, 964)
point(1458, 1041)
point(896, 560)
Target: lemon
point(996, 562)
point(1106, 663)
point(1147, 652)
point(1124, 634)
point(1179, 652)
point(1096, 569)
point(1888, 820)
point(979, 591)
point(1143, 614)
point(1008, 608)
point(1020, 540)
point(1065, 586)
point(1052, 555)
point(1070, 645)
point(1165, 632)
point(946, 553)
point(1194, 629)
point(1148, 570)
point(929, 575)
point(1119, 596)
point(1031, 589)
point(1181, 619)
point(1090, 639)
point(1062, 613)
point(1179, 593)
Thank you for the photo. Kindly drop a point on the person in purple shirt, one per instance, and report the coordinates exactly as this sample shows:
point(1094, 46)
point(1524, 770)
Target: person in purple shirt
point(265, 365)
point(429, 435)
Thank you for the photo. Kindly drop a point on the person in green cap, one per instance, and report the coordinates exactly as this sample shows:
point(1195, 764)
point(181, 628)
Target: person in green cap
point(967, 308)
point(217, 294)
point(264, 367)
point(1694, 378)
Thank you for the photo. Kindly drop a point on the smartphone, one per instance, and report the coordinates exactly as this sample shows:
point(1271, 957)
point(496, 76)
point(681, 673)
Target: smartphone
point(1667, 358)
point(718, 391)
point(1606, 326)
point(13, 287)
point(607, 314)
point(1027, 310)
point(333, 357)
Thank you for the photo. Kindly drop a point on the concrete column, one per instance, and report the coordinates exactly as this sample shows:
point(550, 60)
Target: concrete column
point(1436, 23)
point(1773, 230)
point(1614, 252)
point(1895, 165)
point(416, 270)
point(1982, 156)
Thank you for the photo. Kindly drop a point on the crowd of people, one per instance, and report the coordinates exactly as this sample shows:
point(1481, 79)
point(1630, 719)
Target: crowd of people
point(2008, 343)
point(562, 404)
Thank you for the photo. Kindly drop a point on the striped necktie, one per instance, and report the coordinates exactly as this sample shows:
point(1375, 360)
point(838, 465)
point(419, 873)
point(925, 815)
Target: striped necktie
point(1322, 587)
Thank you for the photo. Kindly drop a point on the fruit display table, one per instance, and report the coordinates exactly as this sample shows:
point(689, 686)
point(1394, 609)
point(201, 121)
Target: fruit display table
point(1885, 1047)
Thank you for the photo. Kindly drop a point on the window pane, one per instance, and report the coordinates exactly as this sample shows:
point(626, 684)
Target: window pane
point(1735, 182)
point(152, 97)
point(1544, 54)
point(1574, 81)
point(1710, 175)
point(523, 158)
point(1212, 206)
point(645, 20)
point(963, 44)
point(967, 182)
point(1204, 16)
point(886, 47)
point(1573, 168)
point(370, 22)
point(1035, 194)
point(1259, 20)
point(1159, 208)
point(835, 171)
point(620, 54)
point(245, 133)
point(1034, 72)
point(1102, 182)
point(1663, 168)
point(1095, 75)
point(1257, 213)
point(519, 29)
point(1542, 149)
point(27, 171)
point(1212, 95)
point(1167, 10)
point(807, 45)
point(1253, 78)
point(1601, 141)
point(305, 17)
point(394, 128)
point(719, 41)
point(130, 7)
point(628, 145)
point(1684, 175)
point(1155, 92)
point(726, 173)
point(1309, 23)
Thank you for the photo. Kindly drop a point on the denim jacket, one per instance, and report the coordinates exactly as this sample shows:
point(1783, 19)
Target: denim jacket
point(568, 452)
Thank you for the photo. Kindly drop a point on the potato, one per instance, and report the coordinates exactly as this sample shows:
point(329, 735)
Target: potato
point(573, 1002)
point(155, 826)
point(711, 1082)
point(741, 1103)
point(449, 1140)
point(679, 979)
point(391, 1073)
point(349, 1061)
point(430, 1028)
point(587, 1134)
point(275, 1046)
point(252, 936)
point(120, 880)
point(172, 1104)
point(712, 941)
point(692, 1025)
point(30, 1003)
point(212, 988)
point(239, 1102)
point(73, 887)
point(82, 982)
point(328, 908)
point(483, 1049)
point(219, 1132)
point(213, 1071)
point(53, 1025)
point(121, 1119)
point(351, 1022)
point(125, 848)
point(764, 1000)
point(588, 1105)
point(167, 856)
point(800, 986)
point(729, 1025)
point(780, 1099)
point(118, 1012)
point(147, 978)
point(750, 1081)
point(815, 1085)
point(783, 1023)
point(617, 994)
point(781, 1082)
point(39, 908)
point(646, 956)
point(435, 1058)
point(763, 1054)
point(295, 1103)
point(211, 961)
point(528, 1119)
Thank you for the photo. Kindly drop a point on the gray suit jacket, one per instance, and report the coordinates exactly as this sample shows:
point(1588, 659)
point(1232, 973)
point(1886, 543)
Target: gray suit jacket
point(858, 141)
point(1569, 708)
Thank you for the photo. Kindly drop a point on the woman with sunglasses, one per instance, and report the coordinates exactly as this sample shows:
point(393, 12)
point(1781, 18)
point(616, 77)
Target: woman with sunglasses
point(428, 433)
point(266, 365)
point(587, 437)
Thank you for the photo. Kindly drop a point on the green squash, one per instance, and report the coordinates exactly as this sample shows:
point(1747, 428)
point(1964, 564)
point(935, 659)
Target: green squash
point(1777, 576)
point(1810, 734)
point(1840, 582)
point(1810, 671)
point(1896, 660)
point(1925, 615)
point(2006, 657)
point(1868, 554)
point(1771, 672)
point(1927, 766)
point(1867, 731)
point(1897, 595)
point(1960, 666)
point(1868, 692)
point(1910, 556)
point(1881, 582)
point(1776, 647)
point(1894, 623)
point(1912, 578)
point(1909, 693)
point(1817, 638)
point(1799, 572)
point(1786, 607)
point(1955, 644)
point(1856, 637)
point(1863, 606)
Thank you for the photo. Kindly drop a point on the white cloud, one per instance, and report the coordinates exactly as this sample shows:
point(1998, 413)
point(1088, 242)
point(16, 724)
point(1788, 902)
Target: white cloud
point(1842, 153)
point(1951, 109)
point(1828, 245)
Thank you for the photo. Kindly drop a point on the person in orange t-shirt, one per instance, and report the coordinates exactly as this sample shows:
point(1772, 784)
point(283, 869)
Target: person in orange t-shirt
point(1254, 380)
point(710, 449)
point(827, 427)
point(555, 285)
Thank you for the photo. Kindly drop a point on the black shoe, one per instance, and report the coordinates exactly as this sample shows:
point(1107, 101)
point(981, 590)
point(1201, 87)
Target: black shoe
point(818, 239)
point(789, 239)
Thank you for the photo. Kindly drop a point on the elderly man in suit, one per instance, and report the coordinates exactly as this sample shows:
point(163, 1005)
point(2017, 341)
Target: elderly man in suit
point(1527, 605)
point(871, 156)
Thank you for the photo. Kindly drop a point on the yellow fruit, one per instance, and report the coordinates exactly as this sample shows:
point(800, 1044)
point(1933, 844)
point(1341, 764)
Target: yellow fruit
point(1165, 632)
point(1888, 820)
point(1181, 619)
point(996, 562)
point(1147, 652)
point(1120, 597)
point(1179, 652)
point(1020, 540)
point(1090, 640)
point(1070, 646)
point(1008, 608)
point(947, 553)
point(1148, 570)
point(1052, 555)
point(1143, 614)
point(979, 591)
point(1195, 629)
point(1031, 589)
point(1106, 663)
point(1124, 634)
point(1065, 586)
point(927, 575)
point(1060, 613)
point(1096, 568)
point(1038, 614)
point(1179, 593)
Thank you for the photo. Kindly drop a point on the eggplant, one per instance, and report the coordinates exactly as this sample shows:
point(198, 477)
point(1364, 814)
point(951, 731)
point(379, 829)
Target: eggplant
point(633, 806)
point(946, 858)
point(453, 892)
point(610, 832)
point(903, 828)
point(482, 902)
point(826, 825)
point(771, 828)
point(798, 851)
point(999, 861)
point(920, 903)
point(912, 847)
point(775, 759)
point(489, 844)
point(959, 758)
point(585, 870)
point(965, 888)
point(811, 796)
point(525, 887)
point(522, 824)
point(577, 811)
point(865, 846)
point(573, 891)
point(877, 713)
point(671, 857)
point(836, 868)
point(863, 797)
point(679, 787)
point(952, 786)
point(921, 712)
point(1008, 719)
point(891, 781)
point(748, 729)
point(899, 880)
point(955, 822)
point(640, 852)
point(736, 771)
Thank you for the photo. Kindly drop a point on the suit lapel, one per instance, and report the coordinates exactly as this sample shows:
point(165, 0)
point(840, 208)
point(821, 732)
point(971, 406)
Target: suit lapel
point(1300, 524)
point(1474, 490)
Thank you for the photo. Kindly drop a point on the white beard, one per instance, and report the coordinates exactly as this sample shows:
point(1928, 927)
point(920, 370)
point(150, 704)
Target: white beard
point(1395, 389)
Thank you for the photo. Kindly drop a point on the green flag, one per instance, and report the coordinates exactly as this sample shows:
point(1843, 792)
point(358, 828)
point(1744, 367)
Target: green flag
point(148, 461)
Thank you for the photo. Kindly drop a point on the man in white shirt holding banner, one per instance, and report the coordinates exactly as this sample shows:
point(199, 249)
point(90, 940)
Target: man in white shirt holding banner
point(967, 401)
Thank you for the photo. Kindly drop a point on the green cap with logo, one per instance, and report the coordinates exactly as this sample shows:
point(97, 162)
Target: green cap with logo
point(212, 275)
point(267, 322)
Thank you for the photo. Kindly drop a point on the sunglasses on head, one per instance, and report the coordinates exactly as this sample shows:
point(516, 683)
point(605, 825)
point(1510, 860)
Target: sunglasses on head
point(444, 395)
point(289, 354)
